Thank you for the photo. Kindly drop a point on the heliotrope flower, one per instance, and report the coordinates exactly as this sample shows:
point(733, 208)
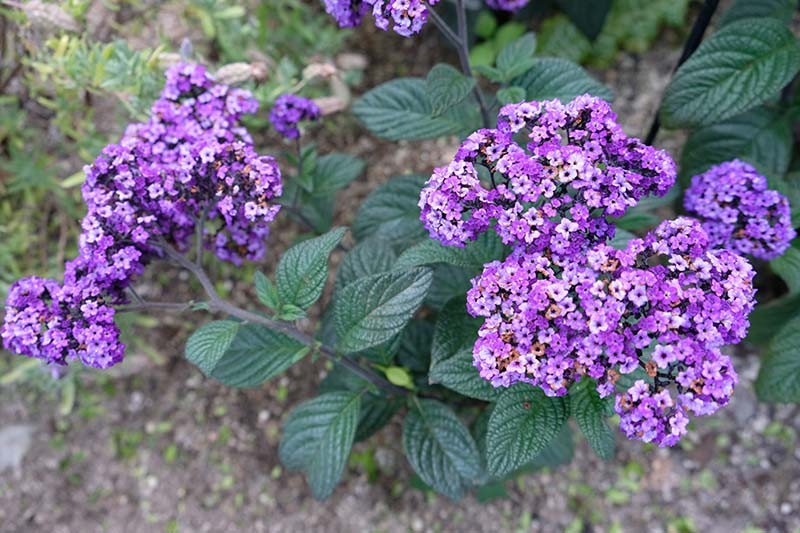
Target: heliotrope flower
point(507, 5)
point(739, 211)
point(663, 305)
point(290, 110)
point(404, 17)
point(554, 194)
point(191, 163)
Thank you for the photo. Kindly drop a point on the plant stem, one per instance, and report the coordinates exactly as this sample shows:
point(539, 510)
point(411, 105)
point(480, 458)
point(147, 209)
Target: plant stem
point(695, 37)
point(148, 306)
point(460, 42)
point(215, 303)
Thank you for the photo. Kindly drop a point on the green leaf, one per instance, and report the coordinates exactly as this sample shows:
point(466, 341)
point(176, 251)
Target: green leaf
point(399, 376)
point(789, 186)
point(486, 70)
point(485, 24)
point(558, 451)
point(766, 319)
point(590, 412)
point(451, 353)
point(558, 78)
point(558, 37)
point(446, 87)
point(266, 291)
point(486, 248)
point(737, 68)
point(208, 344)
point(779, 376)
point(621, 239)
point(370, 256)
point(787, 267)
point(391, 211)
point(335, 172)
point(377, 409)
point(637, 219)
point(458, 373)
point(588, 18)
point(440, 448)
point(761, 136)
point(303, 269)
point(517, 57)
point(455, 329)
point(523, 423)
point(415, 346)
point(510, 95)
point(743, 9)
point(448, 282)
point(317, 438)
point(400, 110)
point(256, 355)
point(374, 309)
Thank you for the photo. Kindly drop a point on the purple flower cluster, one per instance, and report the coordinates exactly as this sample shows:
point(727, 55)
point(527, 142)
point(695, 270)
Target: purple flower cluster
point(507, 5)
point(554, 195)
point(191, 163)
point(404, 17)
point(665, 304)
point(739, 212)
point(289, 110)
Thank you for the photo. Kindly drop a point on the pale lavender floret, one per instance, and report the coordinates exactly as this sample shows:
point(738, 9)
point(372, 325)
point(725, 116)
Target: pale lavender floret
point(191, 161)
point(507, 5)
point(289, 110)
point(740, 212)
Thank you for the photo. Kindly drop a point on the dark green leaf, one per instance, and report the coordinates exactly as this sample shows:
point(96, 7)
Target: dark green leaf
point(589, 17)
point(523, 423)
point(399, 109)
point(760, 136)
point(458, 373)
point(440, 449)
point(737, 68)
point(486, 248)
point(374, 309)
point(591, 412)
point(335, 172)
point(621, 238)
point(266, 291)
point(446, 87)
point(511, 95)
point(391, 213)
point(743, 9)
point(559, 451)
point(767, 319)
point(256, 355)
point(779, 376)
point(517, 57)
point(376, 408)
point(303, 269)
point(558, 78)
point(415, 346)
point(448, 282)
point(208, 344)
point(371, 256)
point(787, 267)
point(317, 438)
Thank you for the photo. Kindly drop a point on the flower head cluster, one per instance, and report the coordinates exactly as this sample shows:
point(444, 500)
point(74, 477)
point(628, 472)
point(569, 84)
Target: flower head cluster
point(665, 304)
point(739, 212)
point(191, 163)
point(507, 5)
point(577, 168)
point(404, 17)
point(289, 110)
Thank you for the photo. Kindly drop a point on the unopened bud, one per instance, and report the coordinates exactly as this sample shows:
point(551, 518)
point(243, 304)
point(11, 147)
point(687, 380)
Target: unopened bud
point(235, 73)
point(319, 70)
point(329, 105)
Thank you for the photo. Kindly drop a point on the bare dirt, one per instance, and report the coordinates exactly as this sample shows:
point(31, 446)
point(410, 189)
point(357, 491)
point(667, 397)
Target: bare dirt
point(154, 446)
